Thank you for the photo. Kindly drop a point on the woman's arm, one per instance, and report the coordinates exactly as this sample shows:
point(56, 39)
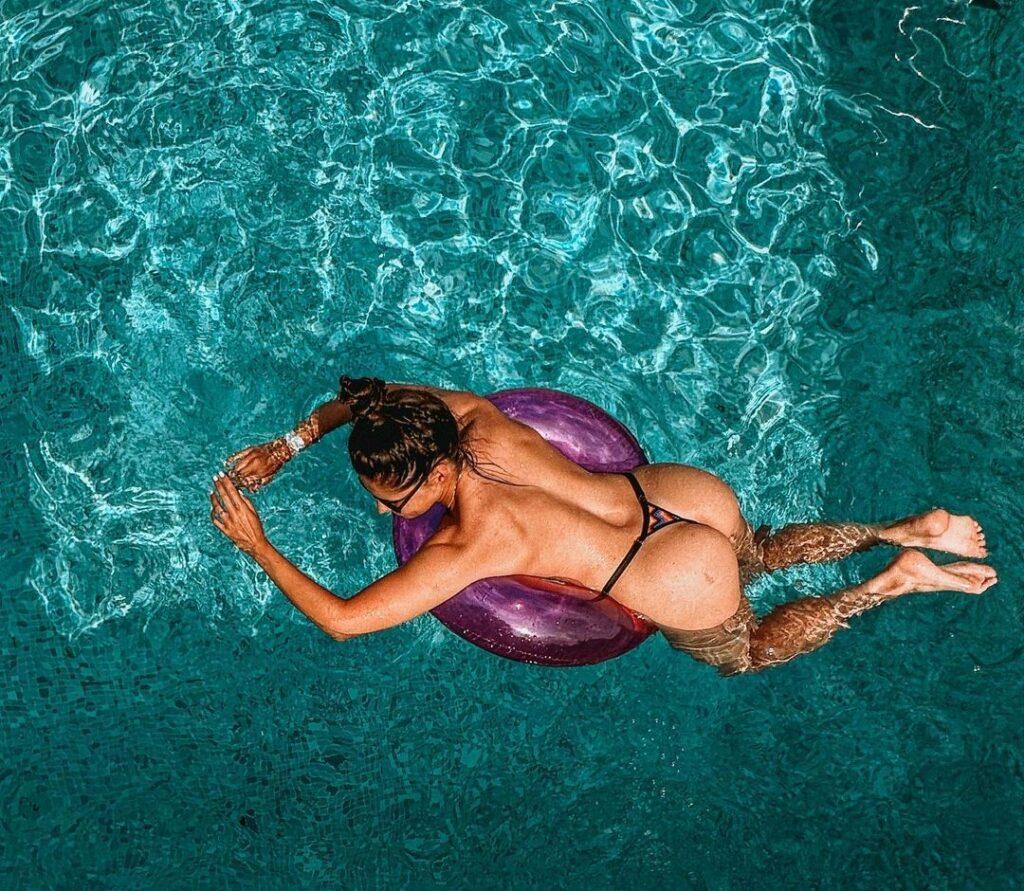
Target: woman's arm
point(334, 413)
point(255, 466)
point(431, 576)
point(326, 417)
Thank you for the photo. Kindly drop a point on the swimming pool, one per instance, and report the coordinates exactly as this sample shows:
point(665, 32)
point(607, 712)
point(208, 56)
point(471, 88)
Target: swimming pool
point(779, 240)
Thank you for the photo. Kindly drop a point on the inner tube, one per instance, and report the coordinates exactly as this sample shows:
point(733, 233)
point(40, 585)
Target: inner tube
point(526, 618)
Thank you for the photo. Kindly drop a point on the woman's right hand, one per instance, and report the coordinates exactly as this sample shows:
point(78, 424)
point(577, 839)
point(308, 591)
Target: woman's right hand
point(255, 466)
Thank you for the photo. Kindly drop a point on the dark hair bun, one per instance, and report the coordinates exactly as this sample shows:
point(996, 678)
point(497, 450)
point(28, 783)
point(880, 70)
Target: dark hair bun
point(365, 395)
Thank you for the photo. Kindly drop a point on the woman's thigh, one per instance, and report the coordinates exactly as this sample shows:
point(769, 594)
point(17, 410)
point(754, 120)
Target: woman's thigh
point(725, 646)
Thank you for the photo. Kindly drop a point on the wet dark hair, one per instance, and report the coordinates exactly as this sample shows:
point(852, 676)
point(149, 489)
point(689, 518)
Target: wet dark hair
point(398, 435)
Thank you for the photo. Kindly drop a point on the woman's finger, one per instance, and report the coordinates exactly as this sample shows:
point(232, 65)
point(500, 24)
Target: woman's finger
point(241, 453)
point(215, 503)
point(230, 495)
point(227, 508)
point(241, 501)
point(218, 515)
point(247, 460)
point(222, 493)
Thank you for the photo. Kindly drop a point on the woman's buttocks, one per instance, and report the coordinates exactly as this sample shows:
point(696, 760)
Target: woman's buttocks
point(693, 493)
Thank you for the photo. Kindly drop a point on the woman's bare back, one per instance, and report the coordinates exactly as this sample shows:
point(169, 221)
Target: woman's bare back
point(556, 520)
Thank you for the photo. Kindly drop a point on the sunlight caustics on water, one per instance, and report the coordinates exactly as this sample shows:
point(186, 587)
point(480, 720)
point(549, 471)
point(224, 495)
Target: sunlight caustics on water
point(780, 240)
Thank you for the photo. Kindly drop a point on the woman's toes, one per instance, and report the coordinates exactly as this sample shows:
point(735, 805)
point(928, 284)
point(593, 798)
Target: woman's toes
point(975, 572)
point(977, 576)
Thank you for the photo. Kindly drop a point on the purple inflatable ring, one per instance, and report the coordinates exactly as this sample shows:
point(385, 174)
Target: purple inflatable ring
point(526, 618)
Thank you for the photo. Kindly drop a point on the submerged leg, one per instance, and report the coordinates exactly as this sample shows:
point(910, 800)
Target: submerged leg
point(764, 551)
point(743, 644)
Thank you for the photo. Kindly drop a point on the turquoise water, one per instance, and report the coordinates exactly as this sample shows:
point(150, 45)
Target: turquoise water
point(781, 240)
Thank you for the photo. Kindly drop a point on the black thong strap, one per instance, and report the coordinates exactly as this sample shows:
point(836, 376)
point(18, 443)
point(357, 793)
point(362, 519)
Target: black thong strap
point(655, 518)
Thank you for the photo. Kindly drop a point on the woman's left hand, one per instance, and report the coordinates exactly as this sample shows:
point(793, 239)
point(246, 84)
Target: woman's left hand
point(234, 515)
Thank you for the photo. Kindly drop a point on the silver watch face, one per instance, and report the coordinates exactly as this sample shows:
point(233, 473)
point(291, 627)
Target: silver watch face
point(295, 442)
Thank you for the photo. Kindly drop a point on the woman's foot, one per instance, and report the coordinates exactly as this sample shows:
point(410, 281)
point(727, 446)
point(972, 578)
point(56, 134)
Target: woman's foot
point(912, 571)
point(939, 530)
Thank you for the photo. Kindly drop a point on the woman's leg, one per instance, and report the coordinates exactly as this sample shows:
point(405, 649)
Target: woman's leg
point(742, 644)
point(764, 551)
point(811, 543)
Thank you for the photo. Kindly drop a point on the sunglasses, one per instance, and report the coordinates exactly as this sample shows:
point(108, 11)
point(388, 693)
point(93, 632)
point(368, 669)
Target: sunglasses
point(397, 506)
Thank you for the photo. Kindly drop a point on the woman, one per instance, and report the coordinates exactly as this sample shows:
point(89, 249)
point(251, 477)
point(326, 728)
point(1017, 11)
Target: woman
point(668, 540)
